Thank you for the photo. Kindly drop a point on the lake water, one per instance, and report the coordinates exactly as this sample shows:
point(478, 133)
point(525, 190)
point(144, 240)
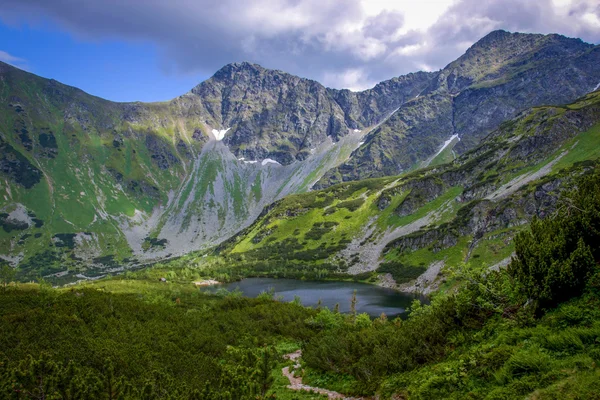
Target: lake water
point(372, 300)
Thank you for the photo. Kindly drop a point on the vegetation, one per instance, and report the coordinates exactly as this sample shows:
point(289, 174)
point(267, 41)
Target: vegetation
point(529, 330)
point(130, 340)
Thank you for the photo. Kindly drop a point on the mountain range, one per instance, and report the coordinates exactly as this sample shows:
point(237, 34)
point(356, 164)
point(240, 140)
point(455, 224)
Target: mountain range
point(254, 159)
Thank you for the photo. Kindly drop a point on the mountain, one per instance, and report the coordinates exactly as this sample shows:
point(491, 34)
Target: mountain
point(92, 183)
point(400, 228)
point(92, 186)
point(498, 77)
point(271, 114)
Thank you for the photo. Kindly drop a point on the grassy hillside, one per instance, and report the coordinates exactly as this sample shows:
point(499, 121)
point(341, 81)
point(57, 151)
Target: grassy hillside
point(467, 211)
point(91, 186)
point(74, 164)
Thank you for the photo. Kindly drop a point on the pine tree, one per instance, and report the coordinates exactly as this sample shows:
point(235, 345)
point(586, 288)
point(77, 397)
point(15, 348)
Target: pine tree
point(265, 366)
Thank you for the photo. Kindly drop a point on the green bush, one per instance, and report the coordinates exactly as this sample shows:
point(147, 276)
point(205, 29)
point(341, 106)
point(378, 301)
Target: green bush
point(556, 258)
point(526, 362)
point(400, 272)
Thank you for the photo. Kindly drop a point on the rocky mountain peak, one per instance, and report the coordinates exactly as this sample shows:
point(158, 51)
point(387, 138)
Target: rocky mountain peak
point(494, 37)
point(233, 70)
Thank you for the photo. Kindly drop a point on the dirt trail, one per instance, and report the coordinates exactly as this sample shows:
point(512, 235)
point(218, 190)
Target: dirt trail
point(296, 383)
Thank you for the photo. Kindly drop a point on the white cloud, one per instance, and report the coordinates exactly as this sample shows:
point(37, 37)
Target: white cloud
point(419, 15)
point(9, 58)
point(353, 78)
point(592, 19)
point(13, 60)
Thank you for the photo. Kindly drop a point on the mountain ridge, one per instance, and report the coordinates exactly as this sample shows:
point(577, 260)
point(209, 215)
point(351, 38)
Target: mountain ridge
point(480, 105)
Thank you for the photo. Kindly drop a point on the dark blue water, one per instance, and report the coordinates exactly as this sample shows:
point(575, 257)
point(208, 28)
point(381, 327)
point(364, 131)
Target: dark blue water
point(372, 300)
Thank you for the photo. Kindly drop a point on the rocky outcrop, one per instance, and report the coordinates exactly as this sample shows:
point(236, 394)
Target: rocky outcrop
point(482, 217)
point(422, 191)
point(16, 167)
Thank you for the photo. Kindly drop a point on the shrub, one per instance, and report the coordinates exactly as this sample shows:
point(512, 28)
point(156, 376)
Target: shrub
point(526, 362)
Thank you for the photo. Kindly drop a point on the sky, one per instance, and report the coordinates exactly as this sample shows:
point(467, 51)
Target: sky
point(155, 50)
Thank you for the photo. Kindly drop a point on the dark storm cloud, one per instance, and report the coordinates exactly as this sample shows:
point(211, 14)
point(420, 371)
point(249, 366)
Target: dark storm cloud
point(333, 41)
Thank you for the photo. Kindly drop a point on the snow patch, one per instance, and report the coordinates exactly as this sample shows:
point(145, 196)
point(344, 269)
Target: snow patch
point(357, 130)
point(268, 161)
point(597, 87)
point(219, 135)
point(250, 162)
point(241, 158)
point(446, 144)
point(360, 143)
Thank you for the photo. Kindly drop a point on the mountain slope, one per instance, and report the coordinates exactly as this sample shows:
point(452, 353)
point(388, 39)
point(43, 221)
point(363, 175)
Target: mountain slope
point(272, 114)
point(91, 186)
point(465, 211)
point(499, 76)
point(91, 182)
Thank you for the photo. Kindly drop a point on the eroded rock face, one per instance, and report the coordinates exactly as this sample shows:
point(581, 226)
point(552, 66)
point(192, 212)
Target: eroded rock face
point(486, 216)
point(498, 77)
point(272, 114)
point(422, 191)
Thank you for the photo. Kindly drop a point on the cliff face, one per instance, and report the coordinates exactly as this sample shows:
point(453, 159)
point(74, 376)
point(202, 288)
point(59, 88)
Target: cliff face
point(271, 114)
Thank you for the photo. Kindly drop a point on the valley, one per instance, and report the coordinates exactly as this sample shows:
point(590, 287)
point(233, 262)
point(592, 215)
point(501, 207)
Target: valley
point(263, 236)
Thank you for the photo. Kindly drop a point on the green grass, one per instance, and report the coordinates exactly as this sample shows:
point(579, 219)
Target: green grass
point(450, 194)
point(426, 256)
point(586, 147)
point(490, 250)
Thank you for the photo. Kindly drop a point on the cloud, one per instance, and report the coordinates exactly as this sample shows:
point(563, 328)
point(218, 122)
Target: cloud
point(342, 43)
point(12, 60)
